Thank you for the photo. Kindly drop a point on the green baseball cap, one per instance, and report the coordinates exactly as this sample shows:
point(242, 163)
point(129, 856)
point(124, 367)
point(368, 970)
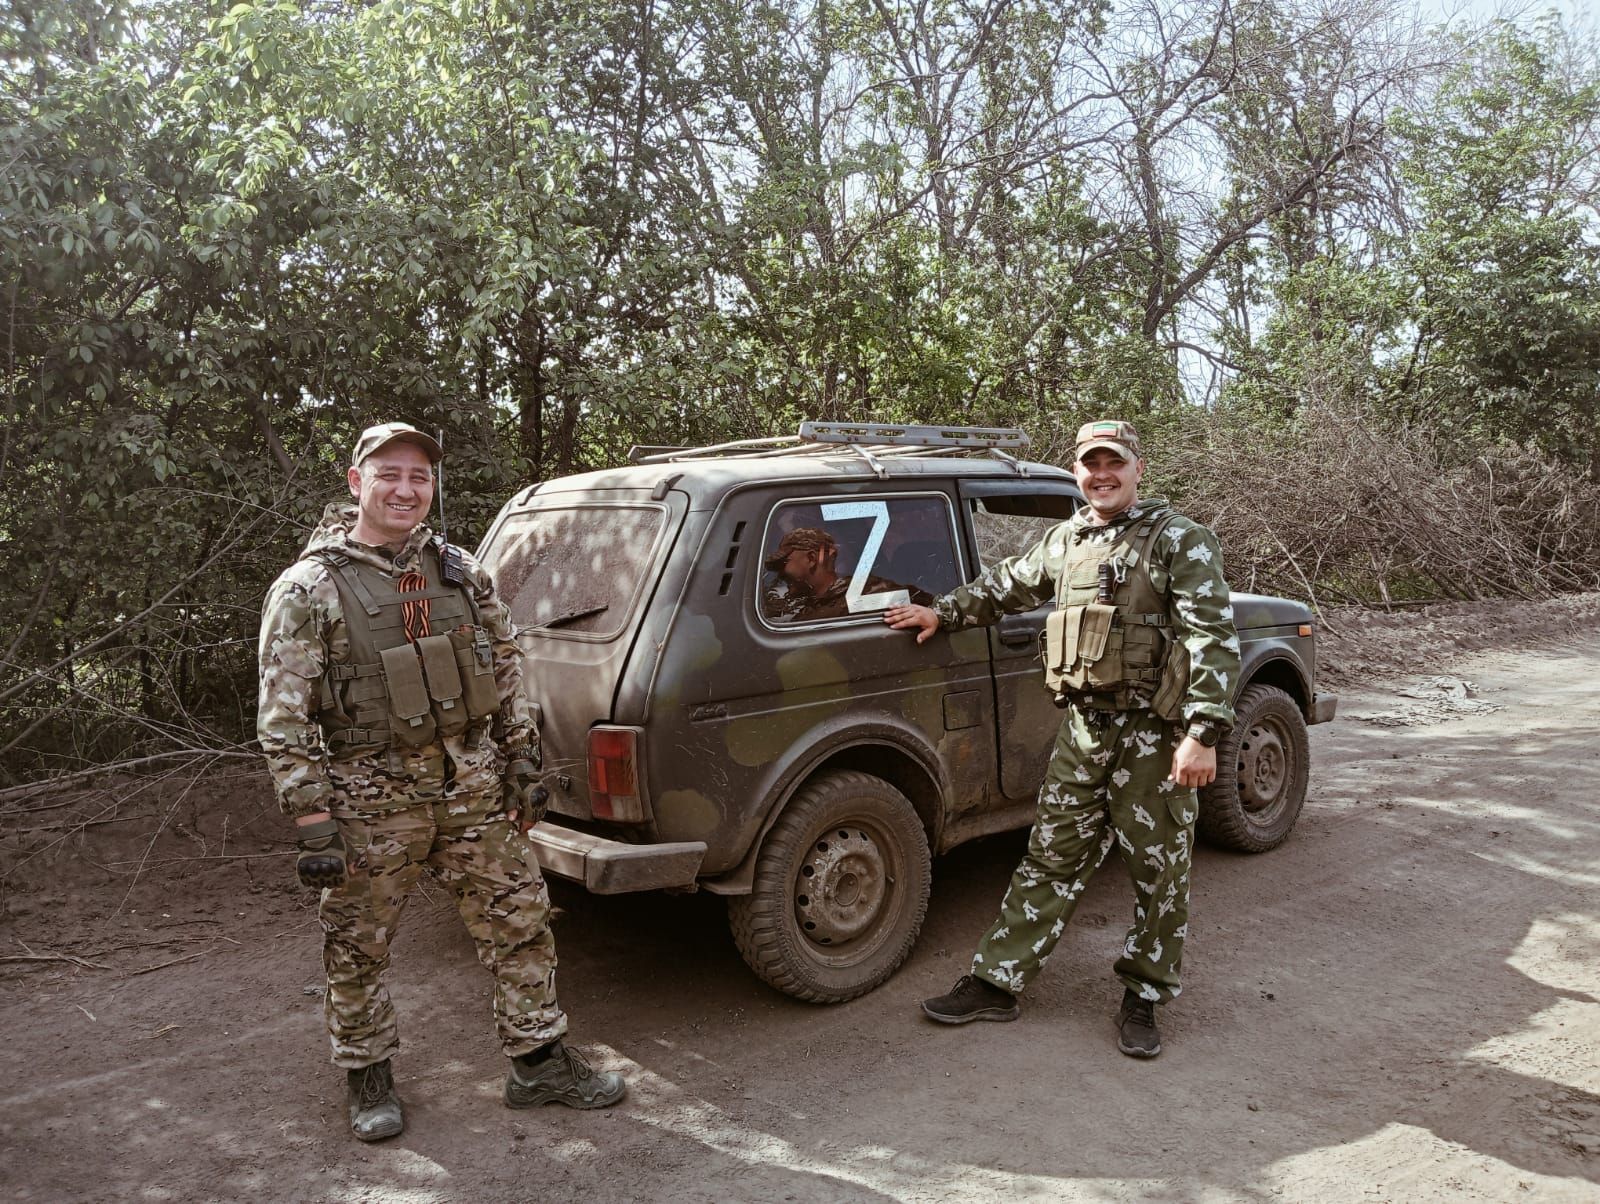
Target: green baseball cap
point(801, 539)
point(1119, 437)
point(386, 433)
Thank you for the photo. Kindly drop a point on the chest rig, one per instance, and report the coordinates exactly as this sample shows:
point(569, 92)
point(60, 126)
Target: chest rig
point(1121, 654)
point(401, 686)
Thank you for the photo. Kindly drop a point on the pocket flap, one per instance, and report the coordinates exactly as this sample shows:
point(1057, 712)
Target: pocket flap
point(1071, 636)
point(1096, 631)
point(439, 660)
point(402, 672)
point(1055, 637)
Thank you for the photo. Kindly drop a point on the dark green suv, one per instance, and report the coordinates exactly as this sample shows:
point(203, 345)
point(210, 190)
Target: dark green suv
point(708, 725)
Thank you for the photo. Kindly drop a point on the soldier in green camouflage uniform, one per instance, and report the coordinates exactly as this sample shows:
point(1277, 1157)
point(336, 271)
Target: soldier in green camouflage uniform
point(375, 807)
point(1127, 759)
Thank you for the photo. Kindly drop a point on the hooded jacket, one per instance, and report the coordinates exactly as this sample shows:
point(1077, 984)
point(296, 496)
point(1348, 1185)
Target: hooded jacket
point(303, 631)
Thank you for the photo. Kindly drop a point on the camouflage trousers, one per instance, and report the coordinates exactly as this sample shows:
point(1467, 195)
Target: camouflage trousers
point(487, 863)
point(1107, 785)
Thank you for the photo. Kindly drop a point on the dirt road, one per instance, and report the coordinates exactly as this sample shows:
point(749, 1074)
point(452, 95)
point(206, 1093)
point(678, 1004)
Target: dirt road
point(1402, 1003)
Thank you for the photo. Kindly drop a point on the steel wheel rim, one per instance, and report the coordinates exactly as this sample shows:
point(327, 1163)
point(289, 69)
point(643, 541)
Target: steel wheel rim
point(844, 889)
point(1265, 765)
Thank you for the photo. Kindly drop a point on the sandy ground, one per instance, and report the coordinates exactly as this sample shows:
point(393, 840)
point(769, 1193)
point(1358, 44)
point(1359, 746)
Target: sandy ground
point(1401, 1003)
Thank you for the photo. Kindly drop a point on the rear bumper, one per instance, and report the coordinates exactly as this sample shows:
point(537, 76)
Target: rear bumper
point(610, 867)
point(1322, 708)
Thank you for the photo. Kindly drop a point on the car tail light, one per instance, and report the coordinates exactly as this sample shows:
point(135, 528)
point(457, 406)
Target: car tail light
point(614, 791)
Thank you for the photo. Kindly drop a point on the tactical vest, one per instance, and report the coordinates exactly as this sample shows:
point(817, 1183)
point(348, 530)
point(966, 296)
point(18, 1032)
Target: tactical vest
point(394, 690)
point(1115, 656)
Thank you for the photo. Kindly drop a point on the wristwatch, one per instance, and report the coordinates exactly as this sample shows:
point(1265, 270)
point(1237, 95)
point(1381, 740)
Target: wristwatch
point(1206, 732)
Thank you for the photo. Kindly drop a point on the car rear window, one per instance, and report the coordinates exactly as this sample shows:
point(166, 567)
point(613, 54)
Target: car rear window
point(575, 570)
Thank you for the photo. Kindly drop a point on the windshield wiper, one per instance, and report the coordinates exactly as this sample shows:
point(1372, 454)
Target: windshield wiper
point(562, 620)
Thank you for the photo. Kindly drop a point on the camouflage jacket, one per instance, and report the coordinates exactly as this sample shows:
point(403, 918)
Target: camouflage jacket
point(1197, 596)
point(303, 630)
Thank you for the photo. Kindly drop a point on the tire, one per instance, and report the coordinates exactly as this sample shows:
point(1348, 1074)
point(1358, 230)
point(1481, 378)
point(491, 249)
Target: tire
point(841, 887)
point(1262, 768)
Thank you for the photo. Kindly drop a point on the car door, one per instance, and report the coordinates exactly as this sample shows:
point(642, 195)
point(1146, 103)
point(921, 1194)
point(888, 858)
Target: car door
point(1006, 518)
point(890, 548)
point(769, 670)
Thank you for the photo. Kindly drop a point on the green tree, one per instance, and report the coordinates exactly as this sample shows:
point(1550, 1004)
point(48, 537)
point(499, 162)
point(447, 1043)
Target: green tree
point(1504, 263)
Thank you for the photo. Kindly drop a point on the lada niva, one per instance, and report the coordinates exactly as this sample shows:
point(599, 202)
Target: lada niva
point(707, 726)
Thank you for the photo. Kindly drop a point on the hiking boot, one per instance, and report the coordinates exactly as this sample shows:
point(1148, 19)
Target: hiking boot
point(972, 999)
point(374, 1107)
point(1136, 1027)
point(558, 1075)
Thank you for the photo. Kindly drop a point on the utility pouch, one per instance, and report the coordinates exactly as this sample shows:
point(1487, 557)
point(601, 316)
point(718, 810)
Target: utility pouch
point(1174, 688)
point(410, 716)
point(1095, 632)
point(1143, 645)
point(1083, 648)
point(1083, 578)
point(475, 660)
point(1100, 661)
point(444, 683)
point(1060, 644)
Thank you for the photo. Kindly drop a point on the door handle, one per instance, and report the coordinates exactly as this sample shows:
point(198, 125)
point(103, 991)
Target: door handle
point(1018, 636)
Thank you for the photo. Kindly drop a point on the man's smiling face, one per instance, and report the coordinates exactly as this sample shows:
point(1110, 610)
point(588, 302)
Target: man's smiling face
point(1109, 482)
point(393, 489)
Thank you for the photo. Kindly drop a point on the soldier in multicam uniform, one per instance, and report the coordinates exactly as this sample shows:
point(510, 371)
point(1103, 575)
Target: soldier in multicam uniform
point(1142, 652)
point(399, 738)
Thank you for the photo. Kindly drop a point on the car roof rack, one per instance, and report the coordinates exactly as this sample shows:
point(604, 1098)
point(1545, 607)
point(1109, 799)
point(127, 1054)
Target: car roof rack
point(883, 434)
point(872, 441)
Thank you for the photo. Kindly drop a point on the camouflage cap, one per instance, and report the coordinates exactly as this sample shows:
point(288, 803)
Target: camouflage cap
point(801, 539)
point(1119, 437)
point(386, 433)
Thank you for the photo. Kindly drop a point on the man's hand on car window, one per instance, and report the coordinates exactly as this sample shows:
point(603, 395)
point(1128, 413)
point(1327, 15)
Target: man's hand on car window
point(905, 618)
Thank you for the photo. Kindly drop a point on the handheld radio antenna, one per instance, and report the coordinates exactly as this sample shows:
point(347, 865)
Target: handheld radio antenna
point(449, 559)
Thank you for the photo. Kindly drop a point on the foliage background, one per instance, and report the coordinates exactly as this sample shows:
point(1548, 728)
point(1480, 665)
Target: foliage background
point(1340, 267)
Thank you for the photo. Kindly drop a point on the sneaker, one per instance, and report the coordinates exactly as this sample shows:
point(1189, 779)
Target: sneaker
point(558, 1075)
point(972, 999)
point(374, 1107)
point(1136, 1027)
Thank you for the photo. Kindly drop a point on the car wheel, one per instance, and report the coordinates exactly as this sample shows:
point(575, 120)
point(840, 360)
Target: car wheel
point(1262, 768)
point(841, 887)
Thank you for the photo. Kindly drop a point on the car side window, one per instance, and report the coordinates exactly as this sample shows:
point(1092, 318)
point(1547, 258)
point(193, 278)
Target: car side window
point(1011, 524)
point(830, 560)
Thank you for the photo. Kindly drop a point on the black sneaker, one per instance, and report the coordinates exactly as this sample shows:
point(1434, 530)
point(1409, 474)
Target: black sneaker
point(1136, 1027)
point(374, 1107)
point(558, 1075)
point(972, 999)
